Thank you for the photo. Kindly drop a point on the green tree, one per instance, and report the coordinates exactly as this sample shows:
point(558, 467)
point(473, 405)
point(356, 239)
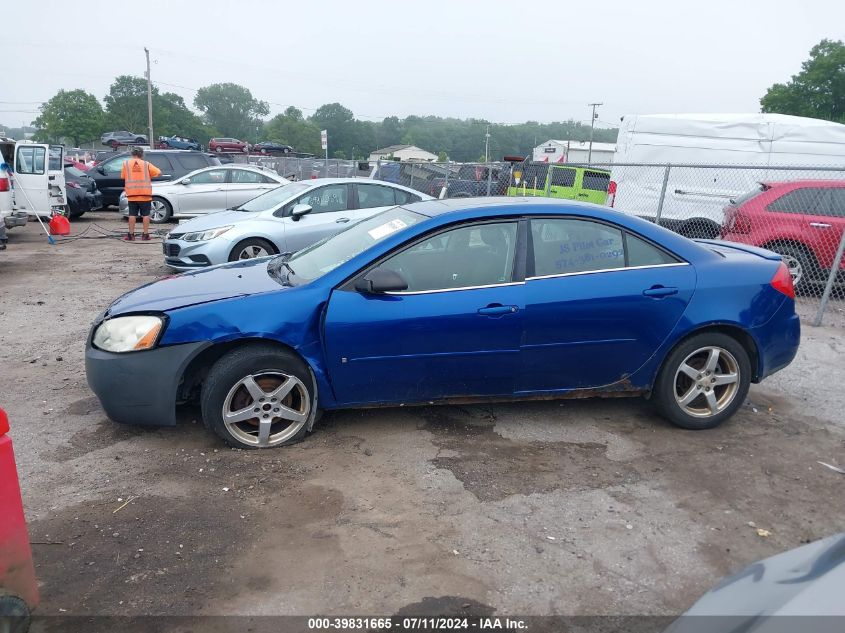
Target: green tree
point(126, 104)
point(231, 109)
point(292, 129)
point(817, 91)
point(75, 115)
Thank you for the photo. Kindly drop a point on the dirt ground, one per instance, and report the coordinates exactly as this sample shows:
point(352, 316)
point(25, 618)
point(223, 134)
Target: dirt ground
point(575, 507)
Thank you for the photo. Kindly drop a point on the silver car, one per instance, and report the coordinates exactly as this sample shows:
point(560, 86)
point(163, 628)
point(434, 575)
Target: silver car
point(285, 219)
point(207, 190)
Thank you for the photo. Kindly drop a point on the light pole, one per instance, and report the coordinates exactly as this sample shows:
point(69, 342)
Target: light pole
point(150, 100)
point(486, 144)
point(592, 124)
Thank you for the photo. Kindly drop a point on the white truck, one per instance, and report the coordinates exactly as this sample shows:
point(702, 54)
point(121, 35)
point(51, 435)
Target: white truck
point(741, 150)
point(32, 181)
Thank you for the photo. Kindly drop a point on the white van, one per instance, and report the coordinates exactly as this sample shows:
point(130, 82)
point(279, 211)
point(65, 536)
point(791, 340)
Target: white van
point(32, 181)
point(694, 197)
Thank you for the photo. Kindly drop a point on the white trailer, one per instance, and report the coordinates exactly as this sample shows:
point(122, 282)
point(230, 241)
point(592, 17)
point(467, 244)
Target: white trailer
point(690, 199)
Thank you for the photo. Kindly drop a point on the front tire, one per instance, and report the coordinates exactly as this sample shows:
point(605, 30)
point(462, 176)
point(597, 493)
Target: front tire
point(703, 381)
point(160, 211)
point(259, 396)
point(250, 249)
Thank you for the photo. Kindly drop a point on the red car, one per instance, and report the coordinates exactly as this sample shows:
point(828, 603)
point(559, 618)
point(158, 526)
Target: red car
point(802, 220)
point(227, 145)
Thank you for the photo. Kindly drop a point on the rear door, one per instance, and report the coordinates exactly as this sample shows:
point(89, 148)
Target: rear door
point(245, 184)
point(599, 302)
point(562, 182)
point(824, 222)
point(331, 211)
point(592, 186)
point(39, 178)
point(372, 199)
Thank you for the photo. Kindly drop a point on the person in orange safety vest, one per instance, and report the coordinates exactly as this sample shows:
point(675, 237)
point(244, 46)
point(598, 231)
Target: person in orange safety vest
point(137, 175)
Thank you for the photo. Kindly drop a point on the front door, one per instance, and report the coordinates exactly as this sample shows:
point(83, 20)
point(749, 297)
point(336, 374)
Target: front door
point(454, 332)
point(824, 222)
point(204, 192)
point(599, 302)
point(331, 211)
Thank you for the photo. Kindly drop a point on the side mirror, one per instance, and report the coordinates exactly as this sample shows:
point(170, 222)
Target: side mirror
point(101, 169)
point(299, 210)
point(186, 181)
point(381, 280)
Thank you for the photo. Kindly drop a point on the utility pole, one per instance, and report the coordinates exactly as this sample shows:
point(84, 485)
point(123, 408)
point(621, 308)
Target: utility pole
point(486, 145)
point(592, 123)
point(152, 138)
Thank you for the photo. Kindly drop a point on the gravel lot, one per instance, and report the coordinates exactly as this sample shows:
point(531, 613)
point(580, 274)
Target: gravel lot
point(574, 507)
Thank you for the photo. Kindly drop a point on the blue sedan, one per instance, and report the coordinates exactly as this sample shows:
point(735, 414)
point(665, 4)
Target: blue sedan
point(451, 301)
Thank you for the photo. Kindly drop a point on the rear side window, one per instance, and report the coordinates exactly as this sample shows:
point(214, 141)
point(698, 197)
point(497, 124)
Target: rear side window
point(244, 176)
point(804, 200)
point(837, 201)
point(370, 196)
point(161, 161)
point(596, 180)
point(563, 177)
point(190, 161)
point(114, 166)
point(30, 160)
point(405, 197)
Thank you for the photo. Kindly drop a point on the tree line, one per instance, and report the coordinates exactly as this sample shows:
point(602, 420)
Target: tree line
point(231, 110)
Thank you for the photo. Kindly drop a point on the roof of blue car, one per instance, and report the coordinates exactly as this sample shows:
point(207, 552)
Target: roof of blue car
point(432, 208)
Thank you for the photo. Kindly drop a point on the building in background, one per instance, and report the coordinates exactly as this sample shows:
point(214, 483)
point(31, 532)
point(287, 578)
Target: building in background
point(554, 151)
point(403, 153)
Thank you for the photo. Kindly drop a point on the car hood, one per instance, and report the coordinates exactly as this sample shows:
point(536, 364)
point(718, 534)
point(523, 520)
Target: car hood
point(212, 221)
point(210, 284)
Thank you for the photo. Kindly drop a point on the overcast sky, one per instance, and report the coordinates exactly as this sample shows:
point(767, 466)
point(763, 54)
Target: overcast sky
point(506, 61)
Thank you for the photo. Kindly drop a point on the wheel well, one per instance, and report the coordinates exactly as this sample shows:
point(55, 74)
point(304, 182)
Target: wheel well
point(258, 237)
point(196, 371)
point(773, 245)
point(738, 334)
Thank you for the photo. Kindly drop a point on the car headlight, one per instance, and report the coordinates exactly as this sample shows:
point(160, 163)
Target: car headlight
point(128, 333)
point(202, 236)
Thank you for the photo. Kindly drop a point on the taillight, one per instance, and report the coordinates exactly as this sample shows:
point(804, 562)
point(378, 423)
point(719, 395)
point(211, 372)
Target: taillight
point(611, 193)
point(782, 281)
point(4, 184)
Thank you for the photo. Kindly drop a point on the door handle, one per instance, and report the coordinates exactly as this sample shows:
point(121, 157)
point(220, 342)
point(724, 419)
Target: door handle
point(820, 225)
point(342, 220)
point(495, 309)
point(659, 292)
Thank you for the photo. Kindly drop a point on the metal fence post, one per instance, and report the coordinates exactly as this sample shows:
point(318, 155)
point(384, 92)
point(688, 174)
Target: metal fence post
point(378, 169)
point(446, 182)
point(489, 179)
point(412, 176)
point(662, 194)
point(834, 269)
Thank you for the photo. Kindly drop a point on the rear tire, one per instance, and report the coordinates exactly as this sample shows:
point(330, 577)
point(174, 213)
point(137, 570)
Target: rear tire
point(14, 614)
point(273, 384)
point(250, 249)
point(695, 390)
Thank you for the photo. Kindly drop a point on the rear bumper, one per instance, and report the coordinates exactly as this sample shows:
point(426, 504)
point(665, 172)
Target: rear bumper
point(777, 340)
point(140, 387)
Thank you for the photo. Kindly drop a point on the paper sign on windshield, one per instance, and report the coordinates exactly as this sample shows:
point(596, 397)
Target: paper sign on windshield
point(386, 229)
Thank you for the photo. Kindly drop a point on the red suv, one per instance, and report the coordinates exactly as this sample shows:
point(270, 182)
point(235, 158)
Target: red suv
point(227, 145)
point(802, 220)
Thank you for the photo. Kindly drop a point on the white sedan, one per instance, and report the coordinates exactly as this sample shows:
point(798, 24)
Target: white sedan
point(207, 190)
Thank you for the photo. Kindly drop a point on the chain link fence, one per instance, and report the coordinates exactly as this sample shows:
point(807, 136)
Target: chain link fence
point(796, 211)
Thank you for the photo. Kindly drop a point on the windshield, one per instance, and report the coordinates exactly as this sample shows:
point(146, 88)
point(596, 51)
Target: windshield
point(326, 255)
point(73, 171)
point(274, 197)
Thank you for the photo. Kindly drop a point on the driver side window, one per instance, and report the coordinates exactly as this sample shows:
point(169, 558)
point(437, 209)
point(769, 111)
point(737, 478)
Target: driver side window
point(474, 255)
point(114, 166)
point(326, 199)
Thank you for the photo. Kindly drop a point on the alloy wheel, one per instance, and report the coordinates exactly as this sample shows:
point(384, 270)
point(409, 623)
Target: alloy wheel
point(706, 382)
point(158, 212)
point(266, 408)
point(253, 251)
